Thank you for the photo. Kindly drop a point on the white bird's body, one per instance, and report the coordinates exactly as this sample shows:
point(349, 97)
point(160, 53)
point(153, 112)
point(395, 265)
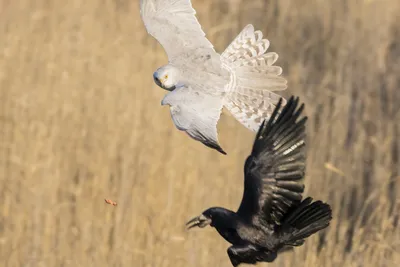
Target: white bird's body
point(201, 81)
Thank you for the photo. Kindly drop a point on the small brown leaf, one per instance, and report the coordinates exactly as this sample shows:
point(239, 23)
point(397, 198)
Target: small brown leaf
point(109, 201)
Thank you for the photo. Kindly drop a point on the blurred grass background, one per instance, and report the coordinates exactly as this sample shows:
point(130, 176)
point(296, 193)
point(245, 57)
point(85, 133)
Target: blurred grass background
point(80, 121)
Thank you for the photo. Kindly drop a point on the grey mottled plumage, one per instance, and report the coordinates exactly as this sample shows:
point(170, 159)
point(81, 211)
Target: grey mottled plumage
point(272, 216)
point(201, 81)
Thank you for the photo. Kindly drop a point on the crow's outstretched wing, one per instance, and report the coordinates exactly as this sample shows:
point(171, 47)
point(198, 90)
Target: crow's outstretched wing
point(274, 171)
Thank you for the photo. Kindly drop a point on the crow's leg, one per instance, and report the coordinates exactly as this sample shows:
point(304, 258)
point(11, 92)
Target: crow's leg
point(250, 254)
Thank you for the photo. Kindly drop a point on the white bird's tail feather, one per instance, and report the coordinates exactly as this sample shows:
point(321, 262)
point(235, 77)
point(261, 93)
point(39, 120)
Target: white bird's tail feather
point(255, 78)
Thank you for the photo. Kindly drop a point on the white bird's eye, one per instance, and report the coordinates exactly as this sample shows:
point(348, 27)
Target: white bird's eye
point(166, 77)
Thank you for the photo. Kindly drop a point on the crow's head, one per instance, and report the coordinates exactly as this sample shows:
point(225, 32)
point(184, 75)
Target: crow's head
point(212, 216)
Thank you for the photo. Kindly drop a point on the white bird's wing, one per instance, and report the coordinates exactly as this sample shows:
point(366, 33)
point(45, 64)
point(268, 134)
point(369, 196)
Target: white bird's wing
point(196, 113)
point(173, 23)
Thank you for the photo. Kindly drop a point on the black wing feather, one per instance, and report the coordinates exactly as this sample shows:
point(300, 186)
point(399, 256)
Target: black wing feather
point(275, 169)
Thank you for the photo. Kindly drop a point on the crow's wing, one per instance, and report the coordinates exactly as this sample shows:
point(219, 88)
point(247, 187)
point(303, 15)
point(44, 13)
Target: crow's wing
point(274, 171)
point(196, 113)
point(173, 23)
point(250, 254)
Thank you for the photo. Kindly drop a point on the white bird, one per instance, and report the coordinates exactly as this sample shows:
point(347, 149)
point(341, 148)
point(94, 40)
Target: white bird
point(202, 82)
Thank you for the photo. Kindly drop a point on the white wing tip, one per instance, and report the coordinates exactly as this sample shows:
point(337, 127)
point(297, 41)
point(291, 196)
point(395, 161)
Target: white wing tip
point(249, 27)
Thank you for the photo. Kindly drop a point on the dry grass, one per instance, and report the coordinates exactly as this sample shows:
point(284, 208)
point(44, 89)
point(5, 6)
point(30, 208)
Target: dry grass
point(81, 121)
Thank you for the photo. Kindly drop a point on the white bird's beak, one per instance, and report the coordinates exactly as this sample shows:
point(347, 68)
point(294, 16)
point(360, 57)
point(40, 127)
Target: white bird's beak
point(160, 82)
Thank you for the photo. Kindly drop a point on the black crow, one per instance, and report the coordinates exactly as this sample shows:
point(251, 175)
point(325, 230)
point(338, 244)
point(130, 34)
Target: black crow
point(272, 216)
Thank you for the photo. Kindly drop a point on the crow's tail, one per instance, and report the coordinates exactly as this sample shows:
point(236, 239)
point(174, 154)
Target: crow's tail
point(305, 220)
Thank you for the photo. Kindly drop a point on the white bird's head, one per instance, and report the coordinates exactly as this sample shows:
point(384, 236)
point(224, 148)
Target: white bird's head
point(167, 77)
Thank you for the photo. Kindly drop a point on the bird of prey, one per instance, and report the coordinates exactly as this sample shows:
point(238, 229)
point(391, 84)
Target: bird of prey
point(272, 216)
point(201, 81)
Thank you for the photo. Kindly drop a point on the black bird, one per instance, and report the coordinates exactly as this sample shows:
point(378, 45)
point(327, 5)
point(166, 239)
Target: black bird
point(272, 216)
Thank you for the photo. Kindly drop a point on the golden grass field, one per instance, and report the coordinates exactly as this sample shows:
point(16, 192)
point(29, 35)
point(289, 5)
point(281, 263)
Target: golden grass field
point(80, 121)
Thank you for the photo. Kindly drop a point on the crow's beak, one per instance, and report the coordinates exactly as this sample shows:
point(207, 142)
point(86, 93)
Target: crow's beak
point(200, 221)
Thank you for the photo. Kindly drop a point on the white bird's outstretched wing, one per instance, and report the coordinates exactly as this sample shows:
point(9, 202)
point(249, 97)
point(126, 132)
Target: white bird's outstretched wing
point(196, 113)
point(173, 23)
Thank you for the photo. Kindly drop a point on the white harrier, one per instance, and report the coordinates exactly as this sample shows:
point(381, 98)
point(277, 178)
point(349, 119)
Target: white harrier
point(202, 81)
